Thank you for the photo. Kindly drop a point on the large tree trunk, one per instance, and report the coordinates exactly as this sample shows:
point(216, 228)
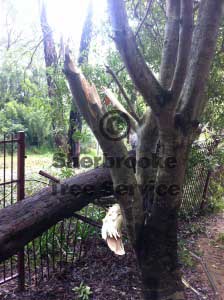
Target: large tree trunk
point(158, 261)
point(27, 219)
point(157, 246)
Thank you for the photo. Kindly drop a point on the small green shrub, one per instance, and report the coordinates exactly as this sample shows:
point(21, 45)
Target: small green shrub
point(195, 229)
point(184, 255)
point(83, 291)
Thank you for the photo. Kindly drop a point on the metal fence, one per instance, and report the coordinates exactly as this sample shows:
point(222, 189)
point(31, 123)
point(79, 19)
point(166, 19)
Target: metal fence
point(63, 244)
point(197, 177)
point(12, 155)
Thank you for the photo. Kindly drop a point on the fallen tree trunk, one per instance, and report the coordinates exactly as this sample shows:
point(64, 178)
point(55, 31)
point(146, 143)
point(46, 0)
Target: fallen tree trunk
point(26, 220)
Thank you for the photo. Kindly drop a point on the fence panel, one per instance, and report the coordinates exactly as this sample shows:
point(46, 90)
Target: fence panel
point(197, 178)
point(12, 164)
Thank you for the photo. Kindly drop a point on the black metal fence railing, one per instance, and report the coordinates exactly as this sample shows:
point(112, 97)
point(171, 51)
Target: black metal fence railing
point(61, 245)
point(12, 163)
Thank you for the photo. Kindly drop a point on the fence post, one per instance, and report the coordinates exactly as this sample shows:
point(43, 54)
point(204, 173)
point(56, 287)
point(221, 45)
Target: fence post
point(204, 196)
point(20, 197)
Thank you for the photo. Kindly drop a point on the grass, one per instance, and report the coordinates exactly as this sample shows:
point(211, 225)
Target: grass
point(34, 162)
point(36, 159)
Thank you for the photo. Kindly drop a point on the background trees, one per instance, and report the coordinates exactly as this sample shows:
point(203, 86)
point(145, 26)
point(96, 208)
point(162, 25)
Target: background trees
point(23, 67)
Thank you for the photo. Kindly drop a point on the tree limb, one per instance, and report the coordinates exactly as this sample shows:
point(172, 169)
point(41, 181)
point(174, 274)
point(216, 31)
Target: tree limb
point(202, 51)
point(130, 105)
point(140, 73)
point(120, 107)
point(171, 40)
point(186, 30)
point(88, 101)
point(144, 18)
point(20, 223)
point(26, 220)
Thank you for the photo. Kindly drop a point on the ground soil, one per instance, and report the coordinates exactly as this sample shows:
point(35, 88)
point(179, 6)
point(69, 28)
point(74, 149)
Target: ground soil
point(207, 277)
point(112, 277)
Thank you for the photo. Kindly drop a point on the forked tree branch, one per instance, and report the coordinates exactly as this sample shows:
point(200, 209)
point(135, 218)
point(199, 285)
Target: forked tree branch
point(139, 71)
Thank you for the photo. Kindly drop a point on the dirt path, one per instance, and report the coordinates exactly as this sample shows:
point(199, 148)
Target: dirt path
point(212, 247)
point(204, 240)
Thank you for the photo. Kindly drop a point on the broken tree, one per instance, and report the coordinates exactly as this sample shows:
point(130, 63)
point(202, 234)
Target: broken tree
point(150, 197)
point(175, 103)
point(27, 219)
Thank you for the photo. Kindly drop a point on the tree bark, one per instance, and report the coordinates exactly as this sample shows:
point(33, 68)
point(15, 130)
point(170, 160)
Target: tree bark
point(157, 244)
point(158, 261)
point(27, 219)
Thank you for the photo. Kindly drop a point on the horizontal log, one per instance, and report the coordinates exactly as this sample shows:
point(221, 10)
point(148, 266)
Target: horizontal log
point(26, 220)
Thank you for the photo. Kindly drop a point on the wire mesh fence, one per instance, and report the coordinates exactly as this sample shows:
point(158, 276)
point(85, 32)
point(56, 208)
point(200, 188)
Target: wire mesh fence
point(62, 245)
point(197, 177)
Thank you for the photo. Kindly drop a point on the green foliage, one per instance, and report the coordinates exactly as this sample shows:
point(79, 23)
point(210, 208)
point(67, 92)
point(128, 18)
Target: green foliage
point(25, 104)
point(215, 91)
point(218, 156)
point(195, 229)
point(59, 159)
point(216, 199)
point(83, 291)
point(17, 116)
point(40, 150)
point(86, 138)
point(184, 254)
point(220, 238)
point(66, 172)
point(85, 231)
